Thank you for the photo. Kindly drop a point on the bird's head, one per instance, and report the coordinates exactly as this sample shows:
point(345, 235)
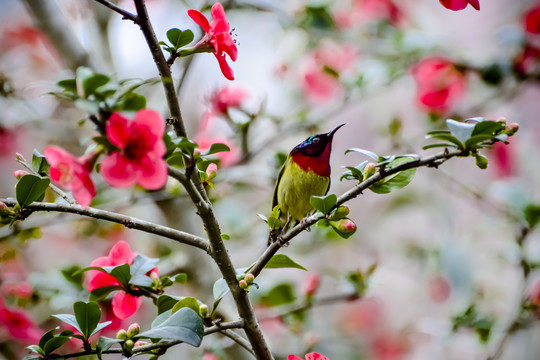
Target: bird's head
point(315, 145)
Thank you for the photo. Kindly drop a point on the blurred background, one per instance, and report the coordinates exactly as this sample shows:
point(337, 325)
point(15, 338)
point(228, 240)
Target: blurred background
point(453, 255)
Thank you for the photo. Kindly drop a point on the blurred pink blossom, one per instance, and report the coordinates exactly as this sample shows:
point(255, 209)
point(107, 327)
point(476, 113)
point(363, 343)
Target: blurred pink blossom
point(364, 11)
point(217, 37)
point(220, 101)
point(503, 160)
point(389, 346)
point(123, 304)
point(141, 150)
point(528, 60)
point(460, 4)
point(8, 141)
point(227, 158)
point(439, 289)
point(321, 71)
point(72, 173)
point(312, 284)
point(18, 325)
point(310, 356)
point(439, 83)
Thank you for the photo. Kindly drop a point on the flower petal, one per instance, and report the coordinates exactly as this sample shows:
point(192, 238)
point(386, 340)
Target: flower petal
point(117, 130)
point(225, 68)
point(124, 305)
point(293, 357)
point(153, 173)
point(119, 171)
point(199, 19)
point(315, 356)
point(151, 119)
point(121, 254)
point(219, 20)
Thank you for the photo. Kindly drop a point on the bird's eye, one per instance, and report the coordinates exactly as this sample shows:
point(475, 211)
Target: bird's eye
point(316, 140)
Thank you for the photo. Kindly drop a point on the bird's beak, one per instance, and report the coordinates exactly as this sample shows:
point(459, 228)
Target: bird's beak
point(331, 132)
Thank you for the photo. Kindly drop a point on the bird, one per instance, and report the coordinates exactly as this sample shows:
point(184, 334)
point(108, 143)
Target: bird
point(305, 173)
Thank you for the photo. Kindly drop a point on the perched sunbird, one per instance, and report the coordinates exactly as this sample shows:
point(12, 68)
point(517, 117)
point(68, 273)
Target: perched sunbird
point(305, 173)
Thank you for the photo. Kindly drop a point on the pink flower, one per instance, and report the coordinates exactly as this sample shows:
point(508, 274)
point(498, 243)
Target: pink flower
point(218, 39)
point(503, 160)
point(8, 141)
point(528, 59)
point(532, 20)
point(18, 325)
point(460, 4)
point(389, 346)
point(321, 71)
point(365, 11)
point(141, 150)
point(310, 356)
point(72, 173)
point(124, 304)
point(439, 289)
point(439, 83)
point(220, 101)
point(312, 284)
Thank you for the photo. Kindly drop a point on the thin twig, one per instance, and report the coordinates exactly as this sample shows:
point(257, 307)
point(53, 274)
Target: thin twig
point(125, 14)
point(127, 221)
point(239, 340)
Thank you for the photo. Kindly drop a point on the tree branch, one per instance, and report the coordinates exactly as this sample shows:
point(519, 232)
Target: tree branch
point(127, 221)
point(162, 66)
point(430, 161)
point(126, 14)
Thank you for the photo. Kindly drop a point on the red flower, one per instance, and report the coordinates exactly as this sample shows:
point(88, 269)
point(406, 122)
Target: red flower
point(18, 325)
point(532, 20)
point(123, 304)
point(141, 150)
point(310, 356)
point(218, 38)
point(439, 83)
point(72, 173)
point(460, 4)
point(528, 59)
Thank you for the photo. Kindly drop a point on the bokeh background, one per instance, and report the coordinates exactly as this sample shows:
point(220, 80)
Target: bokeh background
point(445, 243)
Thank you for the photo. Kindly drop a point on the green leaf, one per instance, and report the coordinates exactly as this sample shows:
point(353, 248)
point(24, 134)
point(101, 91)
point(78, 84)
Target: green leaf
point(122, 273)
point(225, 237)
point(102, 292)
point(487, 127)
point(46, 337)
point(140, 267)
point(365, 152)
point(279, 295)
point(40, 164)
point(36, 349)
point(431, 146)
point(104, 343)
point(31, 188)
point(396, 181)
point(215, 148)
point(87, 316)
point(189, 302)
point(179, 38)
point(324, 204)
point(280, 261)
point(181, 278)
point(449, 138)
point(354, 173)
point(69, 85)
point(166, 302)
point(92, 83)
point(532, 215)
point(55, 343)
point(69, 319)
point(133, 102)
point(73, 275)
point(185, 145)
point(462, 131)
point(184, 325)
point(475, 140)
point(481, 161)
point(101, 326)
point(220, 289)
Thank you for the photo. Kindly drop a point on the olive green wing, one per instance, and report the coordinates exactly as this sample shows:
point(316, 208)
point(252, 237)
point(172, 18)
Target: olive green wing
point(281, 171)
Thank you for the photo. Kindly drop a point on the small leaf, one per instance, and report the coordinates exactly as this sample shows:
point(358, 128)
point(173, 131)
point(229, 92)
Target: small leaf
point(365, 152)
point(39, 163)
point(87, 316)
point(396, 181)
point(46, 337)
point(92, 83)
point(225, 237)
point(55, 343)
point(280, 261)
point(279, 295)
point(324, 204)
point(31, 188)
point(166, 302)
point(122, 273)
point(69, 85)
point(462, 131)
point(69, 319)
point(431, 146)
point(179, 38)
point(487, 127)
point(133, 102)
point(215, 148)
point(481, 161)
point(189, 302)
point(142, 265)
point(101, 326)
point(36, 349)
point(532, 215)
point(184, 325)
point(104, 343)
point(220, 289)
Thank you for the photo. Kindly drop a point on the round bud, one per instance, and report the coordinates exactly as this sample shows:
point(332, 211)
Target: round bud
point(128, 345)
point(249, 278)
point(346, 225)
point(243, 284)
point(203, 310)
point(19, 174)
point(211, 171)
point(369, 170)
point(133, 330)
point(341, 212)
point(512, 128)
point(122, 334)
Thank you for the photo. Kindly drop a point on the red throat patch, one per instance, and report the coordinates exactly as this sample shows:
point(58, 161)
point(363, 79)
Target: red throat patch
point(320, 165)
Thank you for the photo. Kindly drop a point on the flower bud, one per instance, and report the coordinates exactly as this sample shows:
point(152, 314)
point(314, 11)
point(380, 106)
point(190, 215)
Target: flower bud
point(3, 206)
point(128, 345)
point(345, 225)
point(312, 285)
point(122, 334)
point(140, 343)
point(211, 171)
point(512, 128)
point(203, 310)
point(369, 170)
point(19, 174)
point(133, 330)
point(249, 278)
point(341, 212)
point(243, 284)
